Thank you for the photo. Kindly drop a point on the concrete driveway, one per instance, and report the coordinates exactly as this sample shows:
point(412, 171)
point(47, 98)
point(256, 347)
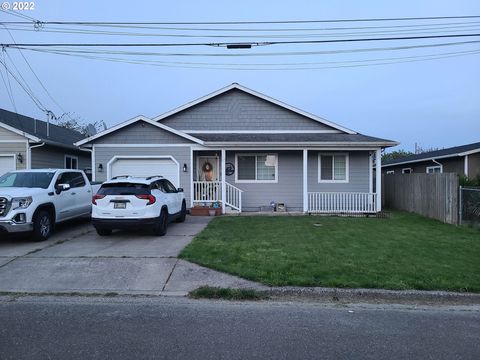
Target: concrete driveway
point(76, 259)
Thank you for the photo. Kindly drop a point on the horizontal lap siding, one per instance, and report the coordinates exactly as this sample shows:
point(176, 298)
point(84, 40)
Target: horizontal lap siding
point(9, 135)
point(288, 190)
point(359, 177)
point(141, 133)
point(44, 157)
point(237, 110)
point(474, 165)
point(180, 153)
point(15, 148)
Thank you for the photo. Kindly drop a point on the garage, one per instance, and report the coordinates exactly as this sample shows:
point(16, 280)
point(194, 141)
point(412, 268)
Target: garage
point(144, 166)
point(7, 163)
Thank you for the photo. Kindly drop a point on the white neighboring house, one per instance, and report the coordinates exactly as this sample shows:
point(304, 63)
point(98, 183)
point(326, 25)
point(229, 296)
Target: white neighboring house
point(246, 151)
point(25, 143)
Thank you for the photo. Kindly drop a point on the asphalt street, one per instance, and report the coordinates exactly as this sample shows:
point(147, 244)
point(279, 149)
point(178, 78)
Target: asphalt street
point(180, 328)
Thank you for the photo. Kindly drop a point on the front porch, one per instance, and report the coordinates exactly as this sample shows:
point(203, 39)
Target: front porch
point(300, 194)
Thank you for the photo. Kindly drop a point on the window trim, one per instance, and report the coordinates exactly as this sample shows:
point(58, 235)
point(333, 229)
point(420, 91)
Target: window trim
point(434, 167)
point(347, 168)
point(256, 181)
point(409, 168)
point(65, 161)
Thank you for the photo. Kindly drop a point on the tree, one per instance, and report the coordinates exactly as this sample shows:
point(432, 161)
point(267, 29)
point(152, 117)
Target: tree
point(397, 154)
point(71, 122)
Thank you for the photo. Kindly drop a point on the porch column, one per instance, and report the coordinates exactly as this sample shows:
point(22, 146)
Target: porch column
point(305, 180)
point(224, 189)
point(378, 178)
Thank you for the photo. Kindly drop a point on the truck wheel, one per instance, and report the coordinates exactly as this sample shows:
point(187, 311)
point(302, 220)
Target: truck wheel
point(160, 228)
point(42, 226)
point(103, 232)
point(183, 213)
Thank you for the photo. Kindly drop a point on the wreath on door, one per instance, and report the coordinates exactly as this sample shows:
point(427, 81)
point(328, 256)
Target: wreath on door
point(207, 167)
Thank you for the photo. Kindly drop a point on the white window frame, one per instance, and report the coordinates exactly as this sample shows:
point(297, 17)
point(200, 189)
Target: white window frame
point(434, 167)
point(347, 168)
point(390, 172)
point(71, 157)
point(256, 181)
point(404, 171)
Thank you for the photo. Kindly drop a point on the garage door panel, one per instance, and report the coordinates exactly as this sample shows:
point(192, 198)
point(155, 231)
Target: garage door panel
point(7, 163)
point(146, 167)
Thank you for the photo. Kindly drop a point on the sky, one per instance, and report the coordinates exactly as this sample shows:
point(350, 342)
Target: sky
point(433, 103)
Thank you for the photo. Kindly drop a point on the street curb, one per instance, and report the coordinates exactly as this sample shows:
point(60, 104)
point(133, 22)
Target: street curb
point(374, 295)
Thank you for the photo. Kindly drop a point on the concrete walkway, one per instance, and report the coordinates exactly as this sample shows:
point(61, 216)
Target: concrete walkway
point(76, 259)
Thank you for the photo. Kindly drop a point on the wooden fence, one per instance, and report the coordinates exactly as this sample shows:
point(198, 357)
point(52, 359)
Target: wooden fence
point(431, 195)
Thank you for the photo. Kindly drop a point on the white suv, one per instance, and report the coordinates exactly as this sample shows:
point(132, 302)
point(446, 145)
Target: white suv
point(127, 202)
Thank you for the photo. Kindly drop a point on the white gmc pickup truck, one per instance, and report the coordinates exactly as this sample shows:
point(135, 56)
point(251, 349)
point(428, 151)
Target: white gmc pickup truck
point(35, 200)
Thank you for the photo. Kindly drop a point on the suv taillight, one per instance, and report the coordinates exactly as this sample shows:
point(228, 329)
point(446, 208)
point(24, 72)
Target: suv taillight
point(151, 199)
point(95, 197)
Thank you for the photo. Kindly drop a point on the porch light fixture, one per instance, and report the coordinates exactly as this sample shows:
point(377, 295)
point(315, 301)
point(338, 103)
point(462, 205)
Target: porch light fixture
point(20, 158)
point(185, 168)
point(100, 167)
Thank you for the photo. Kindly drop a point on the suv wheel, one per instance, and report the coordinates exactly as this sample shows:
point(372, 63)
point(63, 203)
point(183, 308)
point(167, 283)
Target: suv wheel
point(183, 213)
point(42, 226)
point(103, 232)
point(161, 228)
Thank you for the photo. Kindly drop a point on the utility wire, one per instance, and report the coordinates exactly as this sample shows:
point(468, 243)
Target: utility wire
point(36, 76)
point(31, 95)
point(101, 23)
point(224, 44)
point(291, 53)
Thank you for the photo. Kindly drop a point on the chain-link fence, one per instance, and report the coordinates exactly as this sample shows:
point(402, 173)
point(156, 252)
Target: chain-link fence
point(469, 209)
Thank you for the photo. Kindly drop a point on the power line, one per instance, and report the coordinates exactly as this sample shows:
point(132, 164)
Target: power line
point(36, 76)
point(290, 53)
point(255, 22)
point(225, 44)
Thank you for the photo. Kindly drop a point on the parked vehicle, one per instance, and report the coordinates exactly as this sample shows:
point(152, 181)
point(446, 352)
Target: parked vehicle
point(35, 200)
point(127, 202)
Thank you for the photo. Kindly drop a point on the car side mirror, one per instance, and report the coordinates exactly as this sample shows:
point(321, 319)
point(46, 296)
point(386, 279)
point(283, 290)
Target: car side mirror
point(180, 190)
point(61, 187)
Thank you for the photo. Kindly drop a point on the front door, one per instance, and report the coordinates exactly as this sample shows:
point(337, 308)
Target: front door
point(208, 168)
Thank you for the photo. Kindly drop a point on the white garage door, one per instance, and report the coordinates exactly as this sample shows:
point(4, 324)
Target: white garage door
point(165, 167)
point(7, 163)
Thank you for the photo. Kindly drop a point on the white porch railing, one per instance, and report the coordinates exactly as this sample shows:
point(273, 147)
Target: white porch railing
point(207, 191)
point(342, 202)
point(233, 197)
point(211, 191)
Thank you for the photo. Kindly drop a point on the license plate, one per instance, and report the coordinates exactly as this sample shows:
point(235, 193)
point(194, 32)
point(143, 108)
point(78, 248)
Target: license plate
point(119, 205)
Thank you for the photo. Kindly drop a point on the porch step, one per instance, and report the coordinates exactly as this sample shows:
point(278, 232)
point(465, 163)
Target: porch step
point(231, 211)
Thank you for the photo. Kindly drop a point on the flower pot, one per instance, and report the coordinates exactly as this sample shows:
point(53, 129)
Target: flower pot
point(212, 212)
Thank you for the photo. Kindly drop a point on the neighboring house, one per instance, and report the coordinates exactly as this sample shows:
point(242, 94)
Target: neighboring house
point(463, 160)
point(247, 149)
point(25, 143)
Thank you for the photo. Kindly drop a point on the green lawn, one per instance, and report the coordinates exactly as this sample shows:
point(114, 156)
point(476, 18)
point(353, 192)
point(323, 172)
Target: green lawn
point(404, 251)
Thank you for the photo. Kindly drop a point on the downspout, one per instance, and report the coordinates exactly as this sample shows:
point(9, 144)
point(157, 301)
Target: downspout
point(29, 162)
point(92, 160)
point(441, 165)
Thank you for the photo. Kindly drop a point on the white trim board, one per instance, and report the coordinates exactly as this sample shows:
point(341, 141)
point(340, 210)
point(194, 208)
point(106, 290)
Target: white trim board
point(141, 145)
point(256, 94)
point(134, 120)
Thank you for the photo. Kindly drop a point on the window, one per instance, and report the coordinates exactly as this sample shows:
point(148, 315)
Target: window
point(434, 169)
point(166, 186)
point(390, 172)
point(256, 168)
point(407, 170)
point(71, 162)
point(74, 179)
point(333, 168)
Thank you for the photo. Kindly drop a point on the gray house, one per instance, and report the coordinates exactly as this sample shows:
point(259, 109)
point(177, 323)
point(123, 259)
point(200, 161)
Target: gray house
point(26, 143)
point(463, 160)
point(245, 150)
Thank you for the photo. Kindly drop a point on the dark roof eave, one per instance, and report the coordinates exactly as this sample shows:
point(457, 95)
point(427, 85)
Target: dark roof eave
point(303, 144)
